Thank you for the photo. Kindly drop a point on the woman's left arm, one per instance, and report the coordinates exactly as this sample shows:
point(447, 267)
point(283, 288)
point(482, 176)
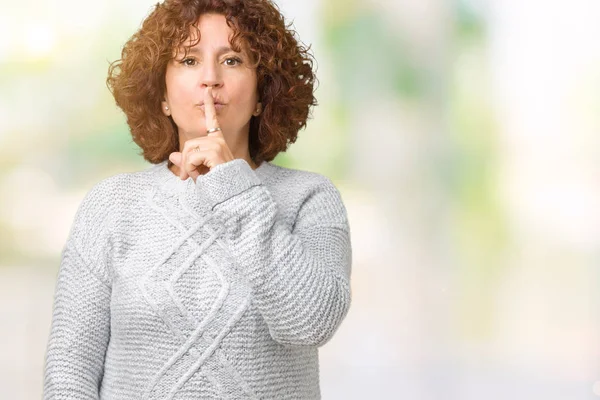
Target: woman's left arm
point(300, 276)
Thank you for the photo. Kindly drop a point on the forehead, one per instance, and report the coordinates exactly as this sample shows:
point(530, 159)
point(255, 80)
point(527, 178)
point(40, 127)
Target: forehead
point(215, 36)
point(212, 30)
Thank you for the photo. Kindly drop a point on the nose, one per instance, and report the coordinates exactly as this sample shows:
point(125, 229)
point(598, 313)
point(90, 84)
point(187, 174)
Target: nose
point(210, 75)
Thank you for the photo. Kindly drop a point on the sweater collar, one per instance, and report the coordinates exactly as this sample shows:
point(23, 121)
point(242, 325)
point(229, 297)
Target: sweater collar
point(171, 183)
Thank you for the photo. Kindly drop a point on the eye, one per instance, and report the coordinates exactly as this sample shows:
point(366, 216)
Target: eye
point(190, 61)
point(232, 61)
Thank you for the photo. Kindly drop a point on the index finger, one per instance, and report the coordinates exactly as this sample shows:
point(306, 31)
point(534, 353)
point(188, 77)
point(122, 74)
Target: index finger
point(210, 114)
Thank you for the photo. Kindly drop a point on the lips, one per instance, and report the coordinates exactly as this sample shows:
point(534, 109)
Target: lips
point(218, 106)
point(215, 101)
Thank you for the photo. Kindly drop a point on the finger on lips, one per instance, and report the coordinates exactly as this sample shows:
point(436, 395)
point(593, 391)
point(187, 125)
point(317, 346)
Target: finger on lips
point(187, 168)
point(210, 114)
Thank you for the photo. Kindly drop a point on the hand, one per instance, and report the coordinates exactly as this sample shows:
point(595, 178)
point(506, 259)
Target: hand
point(203, 152)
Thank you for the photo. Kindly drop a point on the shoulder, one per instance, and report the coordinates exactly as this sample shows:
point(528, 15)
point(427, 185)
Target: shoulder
point(103, 203)
point(117, 190)
point(297, 180)
point(315, 195)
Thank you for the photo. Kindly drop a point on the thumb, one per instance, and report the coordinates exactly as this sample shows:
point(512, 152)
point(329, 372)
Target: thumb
point(175, 158)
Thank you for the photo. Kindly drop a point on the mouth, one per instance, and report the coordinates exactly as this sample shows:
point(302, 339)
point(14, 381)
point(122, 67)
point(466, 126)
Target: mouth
point(216, 101)
point(218, 106)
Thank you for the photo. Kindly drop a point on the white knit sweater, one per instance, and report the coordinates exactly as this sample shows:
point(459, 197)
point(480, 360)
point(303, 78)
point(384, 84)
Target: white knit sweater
point(219, 289)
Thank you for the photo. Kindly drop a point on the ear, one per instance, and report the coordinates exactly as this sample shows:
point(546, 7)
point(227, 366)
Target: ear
point(258, 109)
point(165, 108)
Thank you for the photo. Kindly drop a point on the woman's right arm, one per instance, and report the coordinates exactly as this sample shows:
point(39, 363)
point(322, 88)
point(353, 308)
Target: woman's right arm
point(79, 333)
point(80, 329)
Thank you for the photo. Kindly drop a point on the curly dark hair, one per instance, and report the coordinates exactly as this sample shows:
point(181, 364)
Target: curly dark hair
point(284, 69)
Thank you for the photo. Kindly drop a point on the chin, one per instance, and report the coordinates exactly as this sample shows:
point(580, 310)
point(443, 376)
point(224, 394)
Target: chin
point(196, 132)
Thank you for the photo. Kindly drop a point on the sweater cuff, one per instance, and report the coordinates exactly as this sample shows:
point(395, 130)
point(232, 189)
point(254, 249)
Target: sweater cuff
point(226, 180)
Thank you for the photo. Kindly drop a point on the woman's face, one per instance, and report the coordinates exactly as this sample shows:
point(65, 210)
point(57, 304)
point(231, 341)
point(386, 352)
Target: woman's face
point(211, 62)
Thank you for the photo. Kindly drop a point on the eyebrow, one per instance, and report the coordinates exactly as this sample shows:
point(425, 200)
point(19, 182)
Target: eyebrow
point(220, 50)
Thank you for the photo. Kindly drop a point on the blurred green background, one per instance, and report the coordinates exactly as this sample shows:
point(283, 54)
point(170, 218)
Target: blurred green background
point(464, 138)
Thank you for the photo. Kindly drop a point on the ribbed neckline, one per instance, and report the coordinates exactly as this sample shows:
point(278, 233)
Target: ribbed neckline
point(166, 179)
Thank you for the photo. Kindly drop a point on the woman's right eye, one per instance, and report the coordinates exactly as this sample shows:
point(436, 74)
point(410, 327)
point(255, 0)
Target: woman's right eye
point(189, 61)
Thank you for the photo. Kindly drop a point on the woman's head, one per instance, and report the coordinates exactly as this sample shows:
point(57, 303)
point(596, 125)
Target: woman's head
point(211, 62)
point(182, 48)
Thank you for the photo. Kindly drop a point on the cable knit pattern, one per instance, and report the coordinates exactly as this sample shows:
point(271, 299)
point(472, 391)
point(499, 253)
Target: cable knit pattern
point(219, 289)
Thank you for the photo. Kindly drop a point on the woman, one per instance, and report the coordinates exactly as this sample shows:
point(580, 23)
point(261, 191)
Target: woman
point(212, 274)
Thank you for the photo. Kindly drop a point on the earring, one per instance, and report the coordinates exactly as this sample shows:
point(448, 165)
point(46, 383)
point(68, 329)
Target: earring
point(167, 108)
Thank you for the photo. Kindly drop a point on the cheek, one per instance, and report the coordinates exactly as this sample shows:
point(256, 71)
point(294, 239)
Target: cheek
point(180, 88)
point(181, 94)
point(247, 93)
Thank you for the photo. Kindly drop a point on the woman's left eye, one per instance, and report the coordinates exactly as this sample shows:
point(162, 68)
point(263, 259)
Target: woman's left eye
point(231, 61)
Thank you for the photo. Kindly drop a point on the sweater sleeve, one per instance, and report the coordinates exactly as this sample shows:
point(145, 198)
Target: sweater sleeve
point(300, 275)
point(80, 327)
